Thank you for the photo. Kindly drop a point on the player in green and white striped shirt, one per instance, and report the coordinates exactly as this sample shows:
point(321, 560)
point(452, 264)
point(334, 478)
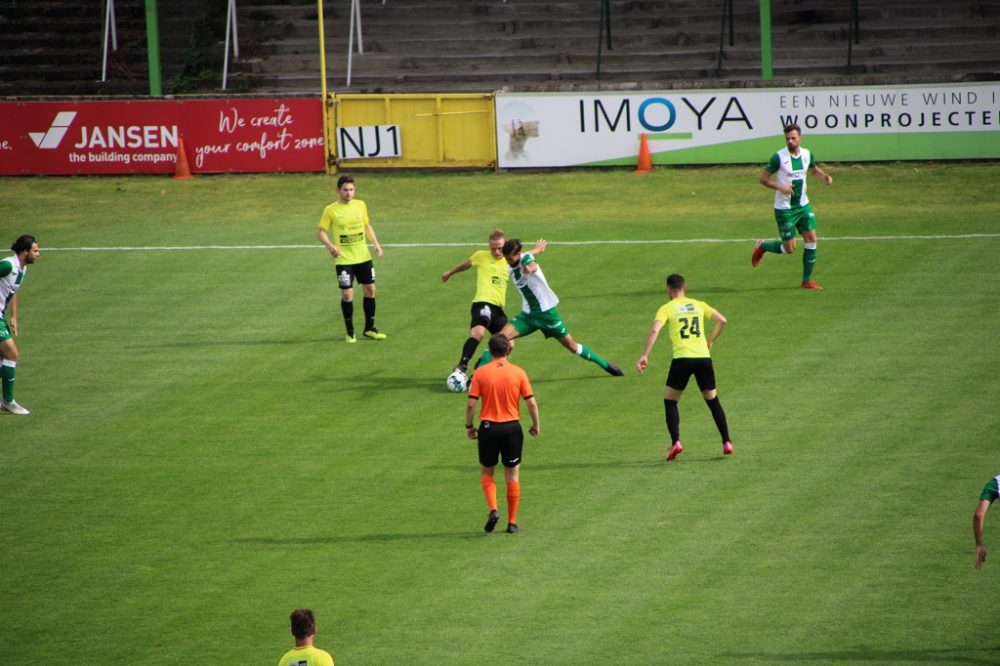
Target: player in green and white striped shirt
point(538, 308)
point(989, 495)
point(786, 174)
point(12, 272)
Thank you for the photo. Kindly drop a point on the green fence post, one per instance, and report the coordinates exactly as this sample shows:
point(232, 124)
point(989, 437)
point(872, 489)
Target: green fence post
point(153, 49)
point(766, 70)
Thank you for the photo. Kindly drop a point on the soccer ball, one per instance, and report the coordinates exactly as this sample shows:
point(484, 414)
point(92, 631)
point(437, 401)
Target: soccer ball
point(457, 382)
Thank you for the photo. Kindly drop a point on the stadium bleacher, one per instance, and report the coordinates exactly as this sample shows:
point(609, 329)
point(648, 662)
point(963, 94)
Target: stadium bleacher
point(55, 48)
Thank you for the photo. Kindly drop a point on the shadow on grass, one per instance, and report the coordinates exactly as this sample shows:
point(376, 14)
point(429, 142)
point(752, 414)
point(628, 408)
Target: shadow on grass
point(646, 463)
point(870, 655)
point(358, 538)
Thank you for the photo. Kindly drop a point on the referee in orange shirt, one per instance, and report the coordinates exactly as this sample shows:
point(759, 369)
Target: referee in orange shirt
point(501, 385)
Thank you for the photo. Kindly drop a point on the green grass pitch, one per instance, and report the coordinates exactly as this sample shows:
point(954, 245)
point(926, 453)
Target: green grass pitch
point(205, 453)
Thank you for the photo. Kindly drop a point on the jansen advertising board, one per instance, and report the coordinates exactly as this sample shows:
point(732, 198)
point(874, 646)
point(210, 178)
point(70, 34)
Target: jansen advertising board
point(952, 121)
point(144, 136)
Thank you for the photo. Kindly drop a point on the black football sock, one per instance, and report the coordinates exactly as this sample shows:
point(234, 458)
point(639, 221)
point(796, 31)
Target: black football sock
point(369, 307)
point(673, 419)
point(347, 308)
point(719, 415)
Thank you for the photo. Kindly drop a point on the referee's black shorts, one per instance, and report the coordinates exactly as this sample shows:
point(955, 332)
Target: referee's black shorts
point(500, 440)
point(681, 370)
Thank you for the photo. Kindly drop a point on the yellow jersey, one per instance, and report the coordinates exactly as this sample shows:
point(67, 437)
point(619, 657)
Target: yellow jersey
point(685, 319)
point(306, 656)
point(492, 277)
point(345, 224)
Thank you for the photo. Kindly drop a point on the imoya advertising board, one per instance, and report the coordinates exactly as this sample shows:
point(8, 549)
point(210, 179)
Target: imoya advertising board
point(145, 136)
point(959, 121)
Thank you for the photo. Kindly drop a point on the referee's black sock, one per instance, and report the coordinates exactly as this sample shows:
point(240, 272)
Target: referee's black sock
point(673, 420)
point(347, 308)
point(368, 304)
point(719, 415)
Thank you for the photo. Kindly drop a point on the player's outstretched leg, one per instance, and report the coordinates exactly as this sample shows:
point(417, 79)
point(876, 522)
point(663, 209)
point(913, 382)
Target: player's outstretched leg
point(585, 352)
point(484, 359)
point(763, 247)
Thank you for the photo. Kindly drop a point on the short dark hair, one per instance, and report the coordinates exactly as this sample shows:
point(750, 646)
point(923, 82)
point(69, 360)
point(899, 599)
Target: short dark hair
point(793, 127)
point(344, 179)
point(512, 246)
point(23, 243)
point(499, 346)
point(303, 623)
point(675, 281)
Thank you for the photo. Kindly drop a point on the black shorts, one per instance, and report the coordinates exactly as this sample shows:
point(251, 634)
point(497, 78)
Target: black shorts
point(486, 314)
point(363, 272)
point(681, 370)
point(500, 440)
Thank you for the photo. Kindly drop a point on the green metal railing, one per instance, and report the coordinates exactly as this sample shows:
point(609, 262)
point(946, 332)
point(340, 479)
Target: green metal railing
point(605, 28)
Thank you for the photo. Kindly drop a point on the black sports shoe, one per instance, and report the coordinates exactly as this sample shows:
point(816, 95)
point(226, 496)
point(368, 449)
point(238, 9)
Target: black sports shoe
point(491, 521)
point(512, 528)
point(614, 370)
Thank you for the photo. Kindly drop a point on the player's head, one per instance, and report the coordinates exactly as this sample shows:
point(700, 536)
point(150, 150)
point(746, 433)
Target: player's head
point(345, 187)
point(27, 246)
point(675, 283)
point(303, 623)
point(499, 346)
point(793, 135)
point(496, 243)
point(512, 251)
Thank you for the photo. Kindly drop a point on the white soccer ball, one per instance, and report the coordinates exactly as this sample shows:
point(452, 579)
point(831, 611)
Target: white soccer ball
point(457, 382)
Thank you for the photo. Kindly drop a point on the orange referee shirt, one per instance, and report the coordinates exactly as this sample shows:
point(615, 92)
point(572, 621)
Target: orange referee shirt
point(500, 385)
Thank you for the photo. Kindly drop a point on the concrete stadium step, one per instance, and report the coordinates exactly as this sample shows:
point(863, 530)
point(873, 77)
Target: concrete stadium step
point(459, 43)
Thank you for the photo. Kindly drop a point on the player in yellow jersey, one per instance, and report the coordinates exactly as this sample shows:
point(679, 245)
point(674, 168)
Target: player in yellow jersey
point(342, 231)
point(492, 277)
point(686, 320)
point(305, 653)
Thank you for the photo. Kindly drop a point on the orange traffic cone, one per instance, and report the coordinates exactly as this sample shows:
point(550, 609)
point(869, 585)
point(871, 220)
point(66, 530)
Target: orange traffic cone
point(181, 169)
point(645, 164)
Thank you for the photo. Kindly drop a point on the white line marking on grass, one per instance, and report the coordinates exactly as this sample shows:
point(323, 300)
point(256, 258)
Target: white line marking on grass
point(664, 241)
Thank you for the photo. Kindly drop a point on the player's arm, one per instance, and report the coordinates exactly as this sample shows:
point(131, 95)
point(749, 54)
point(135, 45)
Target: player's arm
point(814, 170)
point(470, 414)
point(540, 246)
point(459, 268)
point(767, 180)
point(654, 332)
point(767, 176)
point(720, 323)
point(374, 239)
point(536, 425)
point(324, 238)
point(12, 317)
point(977, 530)
point(531, 265)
